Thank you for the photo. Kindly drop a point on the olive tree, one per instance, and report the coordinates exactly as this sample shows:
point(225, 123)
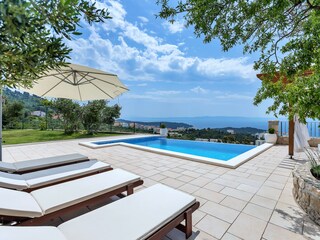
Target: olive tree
point(285, 33)
point(33, 34)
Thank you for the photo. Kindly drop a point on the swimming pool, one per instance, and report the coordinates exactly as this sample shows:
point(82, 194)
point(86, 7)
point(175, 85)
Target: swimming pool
point(229, 155)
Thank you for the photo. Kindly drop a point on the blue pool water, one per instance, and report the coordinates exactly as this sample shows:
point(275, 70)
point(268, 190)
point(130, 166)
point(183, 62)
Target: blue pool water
point(221, 151)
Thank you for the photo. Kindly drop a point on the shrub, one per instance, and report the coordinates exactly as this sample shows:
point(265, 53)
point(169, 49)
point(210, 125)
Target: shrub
point(271, 130)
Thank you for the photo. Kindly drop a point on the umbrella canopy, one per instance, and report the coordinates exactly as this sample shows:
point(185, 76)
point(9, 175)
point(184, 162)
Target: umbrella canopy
point(73, 82)
point(301, 135)
point(78, 83)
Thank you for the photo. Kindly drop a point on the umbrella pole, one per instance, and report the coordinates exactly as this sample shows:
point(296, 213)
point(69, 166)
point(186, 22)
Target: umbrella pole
point(0, 122)
point(291, 138)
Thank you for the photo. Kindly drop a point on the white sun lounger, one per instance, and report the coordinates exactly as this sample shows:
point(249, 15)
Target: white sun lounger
point(41, 163)
point(43, 205)
point(39, 179)
point(148, 214)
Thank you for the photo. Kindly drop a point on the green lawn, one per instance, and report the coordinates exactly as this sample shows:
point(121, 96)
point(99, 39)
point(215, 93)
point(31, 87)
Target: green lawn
point(30, 135)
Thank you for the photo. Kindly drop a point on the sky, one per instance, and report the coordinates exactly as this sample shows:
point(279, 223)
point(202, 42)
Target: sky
point(170, 72)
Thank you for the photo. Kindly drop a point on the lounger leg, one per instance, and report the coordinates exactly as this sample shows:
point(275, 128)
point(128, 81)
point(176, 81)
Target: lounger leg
point(188, 227)
point(129, 190)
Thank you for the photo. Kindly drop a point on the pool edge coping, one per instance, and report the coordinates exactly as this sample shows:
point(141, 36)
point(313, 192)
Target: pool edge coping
point(232, 163)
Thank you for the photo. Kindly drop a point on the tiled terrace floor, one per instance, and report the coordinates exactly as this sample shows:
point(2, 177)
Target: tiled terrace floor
point(253, 201)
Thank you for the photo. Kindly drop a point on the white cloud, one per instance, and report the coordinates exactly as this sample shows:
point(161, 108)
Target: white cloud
point(219, 67)
point(143, 19)
point(199, 90)
point(142, 84)
point(163, 93)
point(176, 26)
point(108, 48)
point(234, 96)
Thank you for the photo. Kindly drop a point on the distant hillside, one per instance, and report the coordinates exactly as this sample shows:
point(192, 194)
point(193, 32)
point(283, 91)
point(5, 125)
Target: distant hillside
point(172, 125)
point(245, 130)
point(31, 102)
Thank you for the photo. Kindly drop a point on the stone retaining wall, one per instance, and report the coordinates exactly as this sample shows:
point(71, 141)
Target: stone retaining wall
point(306, 191)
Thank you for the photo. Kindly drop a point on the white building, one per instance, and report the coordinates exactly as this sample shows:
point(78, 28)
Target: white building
point(231, 131)
point(38, 113)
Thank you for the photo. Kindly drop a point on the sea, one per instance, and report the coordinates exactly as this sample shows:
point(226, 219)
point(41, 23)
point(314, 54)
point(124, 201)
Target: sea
point(215, 122)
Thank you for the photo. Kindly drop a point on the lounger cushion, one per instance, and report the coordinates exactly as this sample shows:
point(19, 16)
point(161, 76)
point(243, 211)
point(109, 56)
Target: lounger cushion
point(13, 181)
point(20, 204)
point(69, 193)
point(133, 217)
point(7, 167)
point(48, 162)
point(30, 233)
point(51, 175)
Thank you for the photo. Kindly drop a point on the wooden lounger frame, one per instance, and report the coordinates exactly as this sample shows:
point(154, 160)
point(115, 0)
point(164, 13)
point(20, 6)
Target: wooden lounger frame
point(49, 219)
point(69, 179)
point(48, 167)
point(176, 223)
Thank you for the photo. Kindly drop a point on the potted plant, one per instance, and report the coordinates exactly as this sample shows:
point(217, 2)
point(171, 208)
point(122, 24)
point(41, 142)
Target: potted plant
point(163, 130)
point(271, 136)
point(314, 158)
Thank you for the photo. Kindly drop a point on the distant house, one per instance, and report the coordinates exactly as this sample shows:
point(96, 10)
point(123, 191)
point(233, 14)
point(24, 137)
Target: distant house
point(231, 131)
point(38, 113)
point(125, 124)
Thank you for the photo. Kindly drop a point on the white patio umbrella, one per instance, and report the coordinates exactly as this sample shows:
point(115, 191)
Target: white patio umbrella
point(78, 83)
point(74, 82)
point(301, 135)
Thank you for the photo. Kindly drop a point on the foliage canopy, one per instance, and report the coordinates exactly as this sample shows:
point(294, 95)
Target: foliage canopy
point(32, 34)
point(286, 34)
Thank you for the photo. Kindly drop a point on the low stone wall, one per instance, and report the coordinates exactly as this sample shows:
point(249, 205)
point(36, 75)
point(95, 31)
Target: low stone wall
point(306, 191)
point(313, 142)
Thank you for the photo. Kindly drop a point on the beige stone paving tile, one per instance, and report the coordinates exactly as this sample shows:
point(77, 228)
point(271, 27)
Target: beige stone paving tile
point(197, 216)
point(189, 188)
point(229, 236)
point(273, 232)
point(171, 174)
point(149, 182)
point(248, 227)
point(148, 173)
point(213, 226)
point(273, 184)
point(185, 178)
point(287, 197)
point(237, 193)
point(211, 175)
point(247, 188)
point(157, 177)
point(200, 235)
point(162, 169)
point(233, 203)
point(177, 170)
point(258, 211)
point(213, 187)
point(250, 182)
point(257, 177)
point(278, 178)
point(220, 170)
point(201, 200)
point(226, 183)
point(200, 181)
point(269, 192)
point(172, 182)
point(209, 195)
point(264, 202)
point(202, 171)
point(288, 217)
point(191, 174)
point(219, 211)
point(228, 177)
point(238, 174)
